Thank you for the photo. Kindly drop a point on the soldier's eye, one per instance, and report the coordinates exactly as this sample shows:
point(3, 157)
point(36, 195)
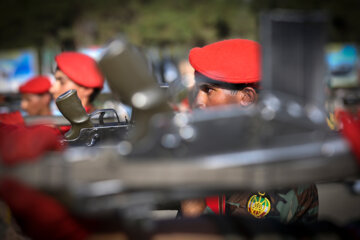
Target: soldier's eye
point(61, 81)
point(207, 89)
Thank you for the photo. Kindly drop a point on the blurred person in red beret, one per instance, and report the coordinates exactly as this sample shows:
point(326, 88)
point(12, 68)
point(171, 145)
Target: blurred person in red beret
point(35, 96)
point(228, 72)
point(40, 216)
point(80, 72)
point(35, 100)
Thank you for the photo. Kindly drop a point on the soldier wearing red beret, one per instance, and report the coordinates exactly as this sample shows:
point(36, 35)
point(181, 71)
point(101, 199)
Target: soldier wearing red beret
point(35, 96)
point(41, 216)
point(77, 71)
point(228, 72)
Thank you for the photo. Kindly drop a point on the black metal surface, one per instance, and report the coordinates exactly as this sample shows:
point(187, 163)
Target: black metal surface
point(293, 53)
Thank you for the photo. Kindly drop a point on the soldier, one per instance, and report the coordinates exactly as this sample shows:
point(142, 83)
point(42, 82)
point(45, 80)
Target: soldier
point(77, 71)
point(228, 72)
point(41, 216)
point(35, 96)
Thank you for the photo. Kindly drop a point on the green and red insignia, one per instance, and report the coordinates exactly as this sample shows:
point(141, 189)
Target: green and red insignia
point(258, 205)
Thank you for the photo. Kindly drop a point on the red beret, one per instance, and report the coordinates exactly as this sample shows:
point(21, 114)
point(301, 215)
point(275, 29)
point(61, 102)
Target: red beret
point(36, 85)
point(232, 61)
point(80, 68)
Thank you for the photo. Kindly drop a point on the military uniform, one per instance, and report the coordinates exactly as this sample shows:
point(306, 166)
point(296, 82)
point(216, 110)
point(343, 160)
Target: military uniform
point(235, 65)
point(287, 206)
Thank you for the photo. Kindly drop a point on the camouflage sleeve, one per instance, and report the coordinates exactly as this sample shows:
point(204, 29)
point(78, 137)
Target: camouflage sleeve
point(308, 208)
point(298, 204)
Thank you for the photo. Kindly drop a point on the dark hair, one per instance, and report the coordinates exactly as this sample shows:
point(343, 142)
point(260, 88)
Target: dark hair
point(231, 86)
point(94, 94)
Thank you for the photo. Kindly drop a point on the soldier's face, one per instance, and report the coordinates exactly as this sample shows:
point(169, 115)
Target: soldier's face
point(35, 104)
point(209, 95)
point(63, 83)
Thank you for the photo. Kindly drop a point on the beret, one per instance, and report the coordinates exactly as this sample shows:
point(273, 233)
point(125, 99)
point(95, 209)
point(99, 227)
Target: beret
point(80, 68)
point(36, 85)
point(232, 61)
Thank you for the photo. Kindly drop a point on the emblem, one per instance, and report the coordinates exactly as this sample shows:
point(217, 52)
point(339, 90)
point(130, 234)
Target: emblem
point(258, 205)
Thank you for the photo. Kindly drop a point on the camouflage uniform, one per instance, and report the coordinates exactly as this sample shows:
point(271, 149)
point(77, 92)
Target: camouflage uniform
point(298, 204)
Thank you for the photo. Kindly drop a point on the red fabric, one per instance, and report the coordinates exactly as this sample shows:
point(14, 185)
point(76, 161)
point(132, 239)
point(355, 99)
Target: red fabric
point(36, 85)
point(80, 68)
point(89, 109)
point(214, 203)
point(24, 144)
point(40, 216)
point(351, 130)
point(232, 61)
point(12, 118)
point(64, 129)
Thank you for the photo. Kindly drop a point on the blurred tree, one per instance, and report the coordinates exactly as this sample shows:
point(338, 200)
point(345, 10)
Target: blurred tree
point(162, 22)
point(145, 22)
point(75, 23)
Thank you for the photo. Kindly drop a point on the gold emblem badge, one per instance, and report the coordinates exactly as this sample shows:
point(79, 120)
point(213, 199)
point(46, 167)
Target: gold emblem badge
point(258, 205)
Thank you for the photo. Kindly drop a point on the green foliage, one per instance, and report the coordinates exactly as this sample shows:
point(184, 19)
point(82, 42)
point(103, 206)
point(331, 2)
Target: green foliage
point(144, 22)
point(163, 23)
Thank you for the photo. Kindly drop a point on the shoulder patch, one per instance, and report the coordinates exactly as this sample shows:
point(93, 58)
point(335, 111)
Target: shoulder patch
point(259, 205)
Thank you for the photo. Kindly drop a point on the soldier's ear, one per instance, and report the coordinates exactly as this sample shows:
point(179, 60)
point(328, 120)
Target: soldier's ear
point(247, 96)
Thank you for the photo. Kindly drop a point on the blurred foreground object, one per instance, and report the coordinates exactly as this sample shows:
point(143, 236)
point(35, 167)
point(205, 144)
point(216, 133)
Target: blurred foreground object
point(351, 130)
point(41, 216)
point(20, 144)
point(12, 118)
point(126, 69)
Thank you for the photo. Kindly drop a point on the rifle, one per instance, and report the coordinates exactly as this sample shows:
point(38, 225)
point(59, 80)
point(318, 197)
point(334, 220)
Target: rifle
point(83, 132)
point(129, 77)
